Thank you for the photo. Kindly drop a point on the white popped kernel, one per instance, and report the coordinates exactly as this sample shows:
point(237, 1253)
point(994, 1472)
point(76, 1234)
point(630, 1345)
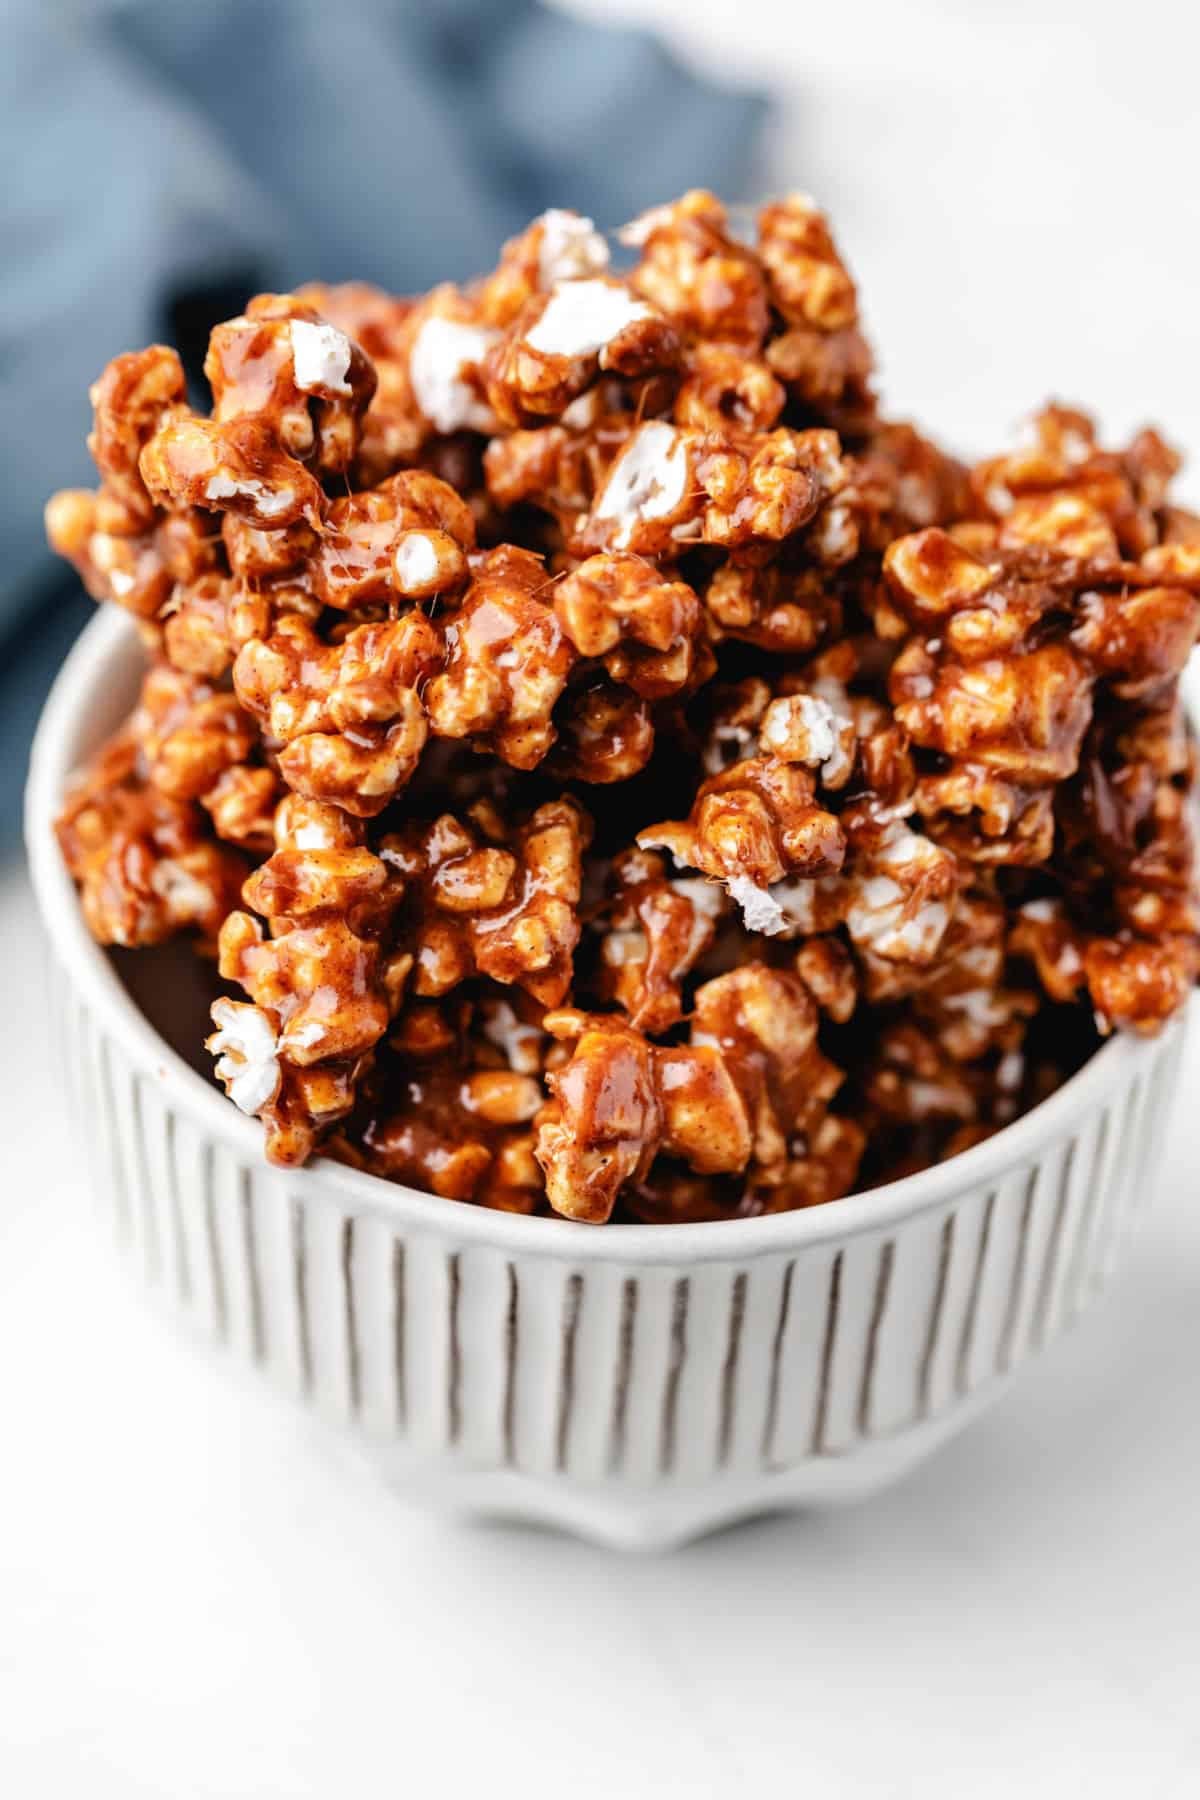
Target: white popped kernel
point(815, 730)
point(582, 413)
point(979, 1007)
point(703, 896)
point(621, 947)
point(760, 911)
point(705, 900)
point(187, 897)
point(904, 849)
point(571, 248)
point(321, 357)
point(1010, 1071)
point(440, 351)
point(834, 533)
point(801, 722)
point(415, 563)
point(270, 504)
point(797, 900)
point(120, 581)
point(727, 744)
point(519, 1042)
point(881, 916)
point(581, 317)
point(879, 919)
point(313, 836)
point(648, 481)
point(787, 909)
point(639, 231)
point(934, 1100)
point(245, 1047)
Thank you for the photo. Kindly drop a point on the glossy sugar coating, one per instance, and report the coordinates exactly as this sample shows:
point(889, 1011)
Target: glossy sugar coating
point(616, 770)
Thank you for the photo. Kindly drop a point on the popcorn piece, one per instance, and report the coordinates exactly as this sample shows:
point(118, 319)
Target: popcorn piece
point(557, 246)
point(237, 468)
point(493, 900)
point(581, 318)
point(741, 1096)
point(444, 369)
point(246, 1050)
point(570, 249)
point(770, 493)
point(809, 282)
point(451, 1128)
point(645, 629)
point(190, 734)
point(822, 358)
point(408, 538)
point(695, 273)
point(145, 863)
point(321, 356)
point(646, 502)
point(317, 985)
point(654, 931)
point(129, 401)
point(300, 376)
point(754, 824)
point(347, 714)
point(205, 623)
point(1061, 460)
point(902, 902)
point(618, 1102)
point(507, 661)
point(786, 609)
point(805, 728)
point(560, 341)
point(118, 539)
point(722, 389)
point(764, 1022)
point(241, 804)
point(606, 733)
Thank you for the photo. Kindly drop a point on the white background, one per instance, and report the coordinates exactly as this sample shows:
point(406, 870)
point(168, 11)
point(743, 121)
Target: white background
point(195, 1602)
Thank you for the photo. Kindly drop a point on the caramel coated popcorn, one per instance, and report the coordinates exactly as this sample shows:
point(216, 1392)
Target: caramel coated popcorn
point(614, 771)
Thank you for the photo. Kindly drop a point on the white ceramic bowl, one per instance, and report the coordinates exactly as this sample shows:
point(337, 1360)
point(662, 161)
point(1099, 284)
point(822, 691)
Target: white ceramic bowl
point(638, 1384)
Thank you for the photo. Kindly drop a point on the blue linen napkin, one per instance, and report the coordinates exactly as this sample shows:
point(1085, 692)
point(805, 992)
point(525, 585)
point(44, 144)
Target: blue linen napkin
point(165, 159)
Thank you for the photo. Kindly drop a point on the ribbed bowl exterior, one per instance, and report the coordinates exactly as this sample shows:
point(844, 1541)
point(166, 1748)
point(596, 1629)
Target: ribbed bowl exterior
point(637, 1384)
point(638, 1403)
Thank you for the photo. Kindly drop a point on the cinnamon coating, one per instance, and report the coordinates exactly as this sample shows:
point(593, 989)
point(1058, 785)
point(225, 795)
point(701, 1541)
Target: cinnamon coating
point(619, 773)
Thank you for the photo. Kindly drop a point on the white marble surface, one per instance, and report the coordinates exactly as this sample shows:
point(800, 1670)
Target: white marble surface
point(195, 1602)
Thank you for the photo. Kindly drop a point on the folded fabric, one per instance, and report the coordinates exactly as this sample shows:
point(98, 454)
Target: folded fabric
point(165, 160)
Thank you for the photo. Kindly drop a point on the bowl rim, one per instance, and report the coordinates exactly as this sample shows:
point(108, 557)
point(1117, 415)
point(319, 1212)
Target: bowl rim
point(103, 652)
